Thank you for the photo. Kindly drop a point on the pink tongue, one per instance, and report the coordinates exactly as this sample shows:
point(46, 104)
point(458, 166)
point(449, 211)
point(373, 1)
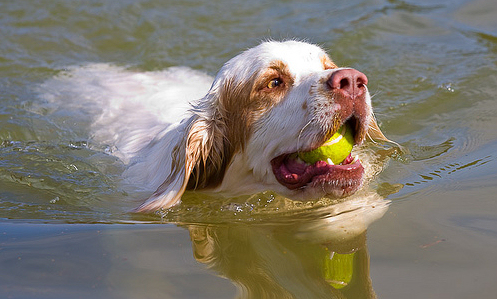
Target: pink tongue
point(295, 167)
point(294, 174)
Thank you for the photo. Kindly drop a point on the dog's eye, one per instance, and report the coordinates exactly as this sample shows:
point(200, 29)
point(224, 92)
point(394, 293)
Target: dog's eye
point(274, 83)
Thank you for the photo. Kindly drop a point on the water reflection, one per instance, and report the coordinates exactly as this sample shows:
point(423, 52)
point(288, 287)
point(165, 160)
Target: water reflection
point(318, 254)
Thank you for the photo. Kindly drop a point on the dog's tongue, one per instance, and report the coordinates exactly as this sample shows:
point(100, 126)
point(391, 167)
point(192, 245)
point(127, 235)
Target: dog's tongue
point(295, 166)
point(295, 174)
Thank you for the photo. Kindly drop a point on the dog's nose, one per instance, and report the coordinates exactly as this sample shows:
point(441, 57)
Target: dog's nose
point(349, 82)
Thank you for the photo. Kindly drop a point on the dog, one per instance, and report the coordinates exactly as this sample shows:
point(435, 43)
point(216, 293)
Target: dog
point(242, 135)
point(265, 104)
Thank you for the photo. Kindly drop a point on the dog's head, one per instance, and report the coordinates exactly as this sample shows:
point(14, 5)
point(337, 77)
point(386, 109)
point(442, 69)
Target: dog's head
point(265, 105)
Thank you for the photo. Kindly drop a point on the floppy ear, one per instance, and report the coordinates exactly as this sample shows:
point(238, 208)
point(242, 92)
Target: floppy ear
point(170, 191)
point(167, 195)
point(374, 133)
point(218, 129)
point(199, 161)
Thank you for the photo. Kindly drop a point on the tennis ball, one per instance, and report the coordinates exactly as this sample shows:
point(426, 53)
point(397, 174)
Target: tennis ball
point(337, 148)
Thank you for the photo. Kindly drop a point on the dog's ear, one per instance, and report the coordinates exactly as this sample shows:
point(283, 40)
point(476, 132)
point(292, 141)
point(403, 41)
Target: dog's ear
point(170, 191)
point(167, 195)
point(199, 161)
point(219, 128)
point(374, 133)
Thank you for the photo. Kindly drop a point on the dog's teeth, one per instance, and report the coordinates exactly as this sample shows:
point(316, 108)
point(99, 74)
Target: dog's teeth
point(299, 160)
point(329, 161)
point(355, 159)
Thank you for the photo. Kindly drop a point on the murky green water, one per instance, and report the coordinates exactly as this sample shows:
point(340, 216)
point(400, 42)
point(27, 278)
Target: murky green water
point(432, 67)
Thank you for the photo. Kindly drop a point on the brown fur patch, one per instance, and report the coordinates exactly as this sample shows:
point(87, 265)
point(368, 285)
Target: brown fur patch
point(205, 154)
point(328, 63)
point(213, 142)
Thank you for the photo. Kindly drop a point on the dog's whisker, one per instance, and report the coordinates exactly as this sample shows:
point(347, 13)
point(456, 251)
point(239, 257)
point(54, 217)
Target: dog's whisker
point(300, 134)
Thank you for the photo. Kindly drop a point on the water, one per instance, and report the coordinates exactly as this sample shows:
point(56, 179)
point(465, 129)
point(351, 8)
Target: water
point(432, 68)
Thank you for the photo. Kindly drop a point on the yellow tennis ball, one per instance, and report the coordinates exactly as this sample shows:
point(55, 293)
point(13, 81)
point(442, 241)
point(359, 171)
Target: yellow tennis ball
point(337, 148)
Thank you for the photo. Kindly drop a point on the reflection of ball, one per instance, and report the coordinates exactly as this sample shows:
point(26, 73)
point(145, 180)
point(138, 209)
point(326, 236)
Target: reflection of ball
point(337, 148)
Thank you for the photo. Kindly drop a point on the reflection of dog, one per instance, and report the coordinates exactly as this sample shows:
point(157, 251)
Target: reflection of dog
point(315, 257)
point(264, 105)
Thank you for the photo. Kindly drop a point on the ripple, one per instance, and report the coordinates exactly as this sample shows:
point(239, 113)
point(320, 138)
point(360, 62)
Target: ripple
point(424, 152)
point(486, 225)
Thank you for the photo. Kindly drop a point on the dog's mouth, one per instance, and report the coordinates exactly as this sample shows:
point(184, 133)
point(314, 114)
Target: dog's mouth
point(336, 180)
